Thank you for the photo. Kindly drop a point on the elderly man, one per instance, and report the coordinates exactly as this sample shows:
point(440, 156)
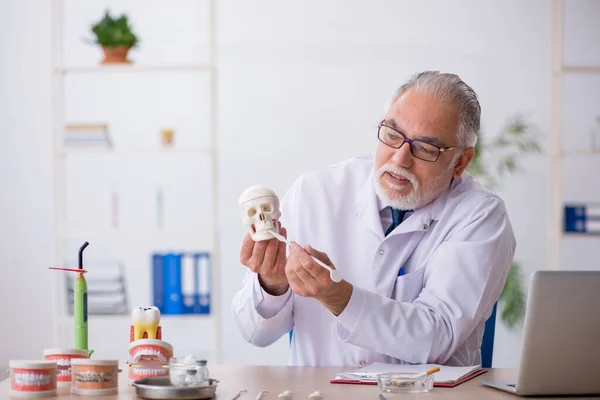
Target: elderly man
point(424, 249)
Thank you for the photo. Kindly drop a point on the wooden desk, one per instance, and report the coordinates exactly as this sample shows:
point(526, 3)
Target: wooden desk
point(304, 380)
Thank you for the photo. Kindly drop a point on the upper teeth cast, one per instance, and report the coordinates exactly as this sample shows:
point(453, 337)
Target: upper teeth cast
point(149, 371)
point(63, 362)
point(26, 379)
point(145, 320)
point(148, 352)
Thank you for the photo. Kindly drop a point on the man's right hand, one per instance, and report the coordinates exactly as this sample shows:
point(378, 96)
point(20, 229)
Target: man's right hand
point(267, 258)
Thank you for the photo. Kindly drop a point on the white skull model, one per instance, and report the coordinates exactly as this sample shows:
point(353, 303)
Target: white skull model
point(259, 208)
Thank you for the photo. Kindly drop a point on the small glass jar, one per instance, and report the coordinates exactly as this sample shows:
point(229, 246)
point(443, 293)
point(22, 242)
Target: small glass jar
point(404, 383)
point(183, 371)
point(203, 376)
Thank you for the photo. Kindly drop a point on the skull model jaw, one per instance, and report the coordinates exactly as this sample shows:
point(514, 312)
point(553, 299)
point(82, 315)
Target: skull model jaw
point(259, 209)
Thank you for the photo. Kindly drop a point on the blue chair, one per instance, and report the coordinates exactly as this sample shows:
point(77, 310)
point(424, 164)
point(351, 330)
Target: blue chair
point(487, 343)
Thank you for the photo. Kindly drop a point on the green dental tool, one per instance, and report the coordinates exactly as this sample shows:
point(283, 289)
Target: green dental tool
point(80, 309)
point(80, 305)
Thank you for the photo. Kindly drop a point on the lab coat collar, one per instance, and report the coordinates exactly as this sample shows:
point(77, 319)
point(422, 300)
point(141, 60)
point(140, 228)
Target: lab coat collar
point(367, 210)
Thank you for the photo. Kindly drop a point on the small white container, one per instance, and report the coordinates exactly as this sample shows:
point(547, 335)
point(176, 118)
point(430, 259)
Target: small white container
point(32, 378)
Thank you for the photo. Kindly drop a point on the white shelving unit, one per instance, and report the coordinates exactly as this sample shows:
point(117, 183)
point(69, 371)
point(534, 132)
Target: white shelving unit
point(573, 28)
point(135, 171)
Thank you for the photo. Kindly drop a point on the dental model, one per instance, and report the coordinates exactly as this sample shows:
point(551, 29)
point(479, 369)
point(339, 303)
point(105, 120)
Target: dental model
point(286, 395)
point(149, 355)
point(145, 323)
point(63, 358)
point(94, 377)
point(316, 395)
point(259, 208)
point(32, 378)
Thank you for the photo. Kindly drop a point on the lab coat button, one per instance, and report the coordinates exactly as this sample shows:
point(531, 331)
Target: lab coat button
point(381, 251)
point(362, 363)
point(425, 226)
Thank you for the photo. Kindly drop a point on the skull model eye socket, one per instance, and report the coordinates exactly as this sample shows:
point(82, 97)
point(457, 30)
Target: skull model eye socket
point(267, 207)
point(252, 212)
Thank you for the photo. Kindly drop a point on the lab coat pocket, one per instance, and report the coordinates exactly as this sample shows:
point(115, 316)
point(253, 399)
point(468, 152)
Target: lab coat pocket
point(408, 287)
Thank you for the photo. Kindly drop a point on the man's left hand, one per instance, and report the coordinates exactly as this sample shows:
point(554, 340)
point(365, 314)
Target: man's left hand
point(309, 279)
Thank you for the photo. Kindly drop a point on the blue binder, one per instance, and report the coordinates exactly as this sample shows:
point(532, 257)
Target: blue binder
point(167, 285)
point(172, 298)
point(582, 218)
point(157, 281)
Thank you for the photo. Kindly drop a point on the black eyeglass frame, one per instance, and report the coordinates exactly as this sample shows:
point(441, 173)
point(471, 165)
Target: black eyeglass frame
point(410, 142)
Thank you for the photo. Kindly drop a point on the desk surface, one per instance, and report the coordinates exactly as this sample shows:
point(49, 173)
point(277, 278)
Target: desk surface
point(304, 380)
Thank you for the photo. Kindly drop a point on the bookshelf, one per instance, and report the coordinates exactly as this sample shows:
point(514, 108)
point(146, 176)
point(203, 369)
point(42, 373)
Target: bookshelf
point(135, 195)
point(574, 130)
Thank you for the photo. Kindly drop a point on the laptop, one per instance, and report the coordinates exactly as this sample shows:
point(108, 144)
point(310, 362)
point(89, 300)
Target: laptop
point(561, 343)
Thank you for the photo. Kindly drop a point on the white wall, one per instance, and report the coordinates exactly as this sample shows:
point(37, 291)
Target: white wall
point(26, 247)
point(301, 85)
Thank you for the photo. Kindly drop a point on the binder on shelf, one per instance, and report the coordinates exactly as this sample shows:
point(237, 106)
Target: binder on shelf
point(203, 283)
point(181, 283)
point(582, 218)
point(157, 280)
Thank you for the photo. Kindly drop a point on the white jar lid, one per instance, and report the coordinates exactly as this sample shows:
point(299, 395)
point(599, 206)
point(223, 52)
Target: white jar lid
point(89, 361)
point(70, 352)
point(32, 364)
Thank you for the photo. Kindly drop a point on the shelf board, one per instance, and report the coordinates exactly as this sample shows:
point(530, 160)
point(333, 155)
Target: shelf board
point(131, 68)
point(134, 235)
point(582, 69)
point(124, 152)
point(581, 153)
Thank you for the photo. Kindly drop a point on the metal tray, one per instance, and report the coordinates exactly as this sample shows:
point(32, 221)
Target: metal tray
point(161, 388)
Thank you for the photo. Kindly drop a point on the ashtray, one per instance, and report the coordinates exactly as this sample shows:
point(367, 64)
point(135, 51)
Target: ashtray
point(399, 382)
point(161, 388)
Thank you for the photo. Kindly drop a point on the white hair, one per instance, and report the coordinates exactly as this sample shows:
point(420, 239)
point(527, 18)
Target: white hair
point(449, 88)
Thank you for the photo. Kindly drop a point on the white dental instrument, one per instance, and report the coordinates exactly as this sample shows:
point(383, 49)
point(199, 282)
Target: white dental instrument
point(334, 274)
point(237, 396)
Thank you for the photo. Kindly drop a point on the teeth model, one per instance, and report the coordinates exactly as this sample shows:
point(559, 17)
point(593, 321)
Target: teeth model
point(150, 350)
point(145, 321)
point(62, 358)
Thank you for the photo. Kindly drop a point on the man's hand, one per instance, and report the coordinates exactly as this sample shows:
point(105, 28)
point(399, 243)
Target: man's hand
point(309, 279)
point(267, 258)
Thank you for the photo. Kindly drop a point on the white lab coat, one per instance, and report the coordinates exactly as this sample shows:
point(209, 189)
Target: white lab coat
point(456, 253)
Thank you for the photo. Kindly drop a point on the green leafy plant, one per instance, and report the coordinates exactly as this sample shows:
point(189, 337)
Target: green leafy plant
point(503, 155)
point(113, 32)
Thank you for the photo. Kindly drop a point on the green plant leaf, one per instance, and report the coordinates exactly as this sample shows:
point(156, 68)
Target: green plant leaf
point(516, 139)
point(113, 32)
point(513, 298)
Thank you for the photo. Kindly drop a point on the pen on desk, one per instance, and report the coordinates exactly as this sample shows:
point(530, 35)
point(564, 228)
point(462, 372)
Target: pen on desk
point(382, 397)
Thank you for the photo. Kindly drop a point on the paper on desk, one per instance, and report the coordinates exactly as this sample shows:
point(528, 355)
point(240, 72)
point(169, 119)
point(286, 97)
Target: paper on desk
point(446, 374)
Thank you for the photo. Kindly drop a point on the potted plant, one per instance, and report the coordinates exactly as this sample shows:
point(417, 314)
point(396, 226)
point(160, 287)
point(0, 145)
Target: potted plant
point(515, 140)
point(116, 37)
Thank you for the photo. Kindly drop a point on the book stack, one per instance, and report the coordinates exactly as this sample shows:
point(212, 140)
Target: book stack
point(94, 135)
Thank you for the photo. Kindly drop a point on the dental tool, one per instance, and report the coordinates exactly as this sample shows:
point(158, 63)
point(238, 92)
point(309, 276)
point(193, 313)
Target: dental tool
point(334, 274)
point(80, 308)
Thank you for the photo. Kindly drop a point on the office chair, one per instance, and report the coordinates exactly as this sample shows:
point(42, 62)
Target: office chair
point(487, 343)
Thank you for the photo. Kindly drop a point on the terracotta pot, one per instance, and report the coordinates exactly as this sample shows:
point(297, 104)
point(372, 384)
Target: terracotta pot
point(115, 55)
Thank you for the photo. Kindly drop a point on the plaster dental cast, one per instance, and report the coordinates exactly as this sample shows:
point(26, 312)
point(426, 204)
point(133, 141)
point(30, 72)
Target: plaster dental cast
point(422, 247)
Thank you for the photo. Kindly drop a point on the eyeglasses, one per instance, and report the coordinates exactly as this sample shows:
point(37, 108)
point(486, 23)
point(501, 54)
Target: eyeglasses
point(418, 148)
